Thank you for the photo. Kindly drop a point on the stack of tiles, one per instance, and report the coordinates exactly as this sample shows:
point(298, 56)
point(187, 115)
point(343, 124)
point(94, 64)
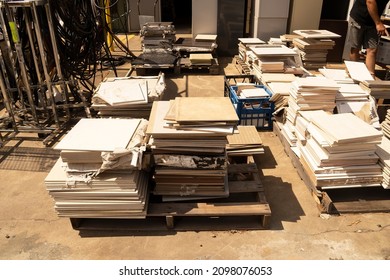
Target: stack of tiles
point(314, 46)
point(245, 142)
point(383, 151)
point(386, 125)
point(340, 152)
point(306, 94)
point(129, 97)
point(274, 58)
point(280, 93)
point(279, 84)
point(244, 47)
point(352, 97)
point(378, 88)
point(311, 93)
point(97, 175)
point(188, 141)
point(157, 37)
point(313, 51)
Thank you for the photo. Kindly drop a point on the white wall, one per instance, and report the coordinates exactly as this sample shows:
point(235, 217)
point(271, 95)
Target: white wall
point(305, 14)
point(204, 17)
point(270, 18)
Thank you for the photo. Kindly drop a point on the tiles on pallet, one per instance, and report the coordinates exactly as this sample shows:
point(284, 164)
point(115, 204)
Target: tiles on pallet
point(130, 97)
point(159, 127)
point(99, 175)
point(311, 93)
point(339, 152)
point(346, 128)
point(314, 46)
point(197, 167)
point(109, 195)
point(99, 135)
point(316, 33)
point(207, 109)
point(246, 142)
point(383, 151)
point(386, 124)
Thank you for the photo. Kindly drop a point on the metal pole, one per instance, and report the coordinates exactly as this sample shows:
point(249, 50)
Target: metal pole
point(44, 63)
point(110, 40)
point(35, 58)
point(57, 58)
point(7, 100)
point(22, 65)
point(11, 54)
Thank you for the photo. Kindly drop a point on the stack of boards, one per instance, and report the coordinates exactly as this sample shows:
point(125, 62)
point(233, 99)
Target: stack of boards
point(352, 97)
point(378, 89)
point(311, 93)
point(339, 151)
point(188, 141)
point(201, 58)
point(128, 97)
point(274, 59)
point(279, 84)
point(386, 125)
point(314, 46)
point(245, 142)
point(280, 93)
point(244, 45)
point(115, 193)
point(383, 151)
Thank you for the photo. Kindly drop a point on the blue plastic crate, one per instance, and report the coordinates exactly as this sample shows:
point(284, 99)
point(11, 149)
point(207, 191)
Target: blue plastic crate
point(253, 111)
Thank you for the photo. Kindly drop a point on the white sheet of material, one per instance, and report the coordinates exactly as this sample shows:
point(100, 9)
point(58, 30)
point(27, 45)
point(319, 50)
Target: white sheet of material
point(99, 135)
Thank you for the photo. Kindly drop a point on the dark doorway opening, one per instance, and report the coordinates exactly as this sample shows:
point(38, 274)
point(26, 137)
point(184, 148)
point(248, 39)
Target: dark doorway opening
point(179, 12)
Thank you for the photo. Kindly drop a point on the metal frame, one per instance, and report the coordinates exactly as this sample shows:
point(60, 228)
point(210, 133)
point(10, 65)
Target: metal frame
point(40, 113)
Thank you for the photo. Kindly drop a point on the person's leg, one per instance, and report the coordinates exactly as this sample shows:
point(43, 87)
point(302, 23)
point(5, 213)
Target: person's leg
point(371, 44)
point(355, 39)
point(370, 60)
point(354, 54)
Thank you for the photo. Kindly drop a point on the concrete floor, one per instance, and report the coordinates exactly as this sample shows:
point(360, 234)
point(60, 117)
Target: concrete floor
point(31, 230)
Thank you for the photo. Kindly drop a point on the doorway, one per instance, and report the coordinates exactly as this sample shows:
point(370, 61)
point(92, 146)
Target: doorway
point(179, 12)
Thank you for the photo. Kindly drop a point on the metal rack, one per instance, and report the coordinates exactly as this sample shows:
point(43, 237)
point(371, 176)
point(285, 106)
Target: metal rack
point(36, 95)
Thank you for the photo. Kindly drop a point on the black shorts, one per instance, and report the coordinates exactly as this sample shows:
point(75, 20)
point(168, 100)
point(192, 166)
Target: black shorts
point(362, 36)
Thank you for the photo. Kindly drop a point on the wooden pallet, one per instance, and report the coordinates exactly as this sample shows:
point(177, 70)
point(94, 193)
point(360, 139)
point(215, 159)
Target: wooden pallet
point(340, 201)
point(241, 66)
point(245, 208)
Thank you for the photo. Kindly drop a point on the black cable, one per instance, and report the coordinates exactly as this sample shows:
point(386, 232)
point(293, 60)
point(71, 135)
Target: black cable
point(79, 36)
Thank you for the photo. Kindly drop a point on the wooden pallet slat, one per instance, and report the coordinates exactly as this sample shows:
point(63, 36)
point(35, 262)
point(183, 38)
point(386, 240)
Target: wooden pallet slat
point(245, 208)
